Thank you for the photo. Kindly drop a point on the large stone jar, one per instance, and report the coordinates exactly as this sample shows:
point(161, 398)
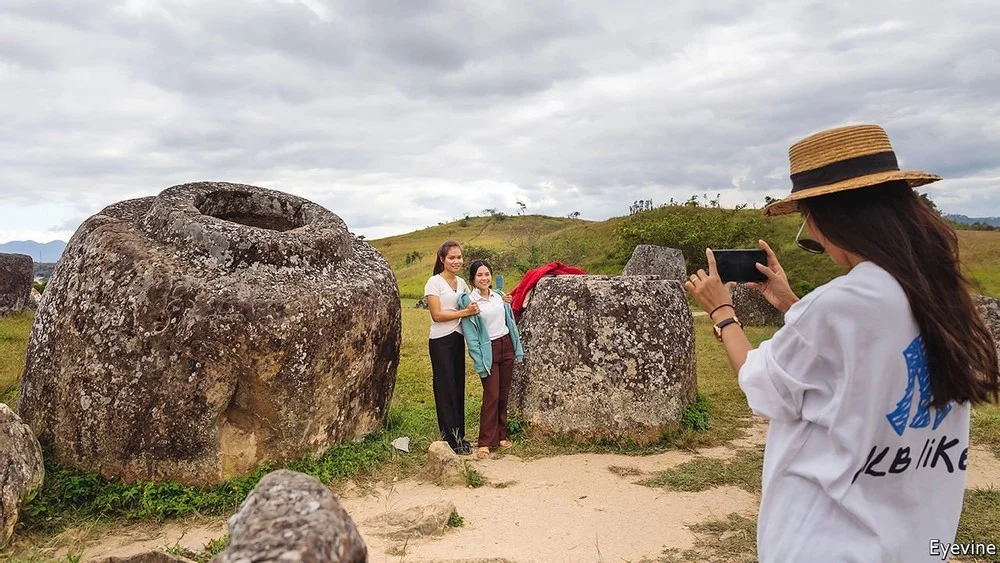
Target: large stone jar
point(753, 309)
point(17, 271)
point(606, 358)
point(989, 310)
point(651, 260)
point(192, 335)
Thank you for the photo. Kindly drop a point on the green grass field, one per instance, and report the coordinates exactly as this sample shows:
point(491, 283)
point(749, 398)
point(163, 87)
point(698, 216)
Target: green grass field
point(71, 499)
point(14, 332)
point(980, 255)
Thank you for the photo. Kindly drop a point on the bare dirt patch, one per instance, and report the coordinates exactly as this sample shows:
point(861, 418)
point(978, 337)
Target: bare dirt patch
point(565, 508)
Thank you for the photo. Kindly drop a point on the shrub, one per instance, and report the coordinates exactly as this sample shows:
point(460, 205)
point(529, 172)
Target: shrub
point(691, 229)
point(413, 257)
point(500, 260)
point(695, 415)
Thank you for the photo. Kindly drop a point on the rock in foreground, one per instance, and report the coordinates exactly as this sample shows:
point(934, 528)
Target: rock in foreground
point(443, 466)
point(21, 469)
point(414, 522)
point(292, 517)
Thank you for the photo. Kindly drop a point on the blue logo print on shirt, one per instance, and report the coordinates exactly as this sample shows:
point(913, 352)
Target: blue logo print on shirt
point(896, 458)
point(917, 375)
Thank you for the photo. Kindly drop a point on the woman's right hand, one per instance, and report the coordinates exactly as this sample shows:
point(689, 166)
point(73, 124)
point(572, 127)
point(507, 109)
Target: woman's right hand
point(472, 309)
point(776, 289)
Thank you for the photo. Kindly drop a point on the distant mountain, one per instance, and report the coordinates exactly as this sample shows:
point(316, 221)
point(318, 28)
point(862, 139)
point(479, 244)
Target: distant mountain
point(994, 221)
point(39, 251)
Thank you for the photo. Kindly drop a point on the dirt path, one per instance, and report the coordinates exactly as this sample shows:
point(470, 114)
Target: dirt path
point(564, 508)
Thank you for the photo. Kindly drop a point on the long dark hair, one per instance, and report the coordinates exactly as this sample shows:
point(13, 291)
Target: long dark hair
point(442, 252)
point(474, 268)
point(889, 225)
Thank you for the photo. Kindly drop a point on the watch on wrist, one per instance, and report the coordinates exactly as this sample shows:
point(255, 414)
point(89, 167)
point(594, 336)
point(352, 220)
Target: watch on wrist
point(723, 324)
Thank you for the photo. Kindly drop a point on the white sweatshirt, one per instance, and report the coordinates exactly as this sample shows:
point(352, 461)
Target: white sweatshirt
point(857, 466)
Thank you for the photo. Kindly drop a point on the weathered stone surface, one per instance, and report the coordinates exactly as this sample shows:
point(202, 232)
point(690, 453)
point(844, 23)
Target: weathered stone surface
point(753, 309)
point(606, 357)
point(148, 557)
point(192, 335)
point(21, 469)
point(443, 466)
point(989, 310)
point(36, 298)
point(651, 260)
point(415, 522)
point(16, 274)
point(292, 517)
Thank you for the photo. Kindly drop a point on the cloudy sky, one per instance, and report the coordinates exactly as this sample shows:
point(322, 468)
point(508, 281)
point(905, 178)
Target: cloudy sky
point(400, 114)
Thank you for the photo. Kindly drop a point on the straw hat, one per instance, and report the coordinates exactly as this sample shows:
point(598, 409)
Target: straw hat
point(839, 159)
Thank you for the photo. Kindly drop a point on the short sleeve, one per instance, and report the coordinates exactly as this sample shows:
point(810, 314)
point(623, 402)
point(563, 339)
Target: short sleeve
point(779, 374)
point(432, 287)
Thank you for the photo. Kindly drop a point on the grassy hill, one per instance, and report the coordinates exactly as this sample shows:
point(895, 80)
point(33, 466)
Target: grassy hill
point(515, 244)
point(515, 235)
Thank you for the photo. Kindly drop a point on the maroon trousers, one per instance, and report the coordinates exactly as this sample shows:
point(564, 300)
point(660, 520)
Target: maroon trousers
point(496, 389)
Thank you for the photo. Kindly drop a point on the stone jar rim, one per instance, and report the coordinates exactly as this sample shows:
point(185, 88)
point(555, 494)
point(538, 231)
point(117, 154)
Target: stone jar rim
point(238, 226)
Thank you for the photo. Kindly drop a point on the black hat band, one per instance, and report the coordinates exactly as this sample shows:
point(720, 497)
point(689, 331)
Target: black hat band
point(844, 170)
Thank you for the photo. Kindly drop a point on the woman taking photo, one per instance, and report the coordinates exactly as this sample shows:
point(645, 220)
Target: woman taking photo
point(868, 385)
point(447, 345)
point(494, 344)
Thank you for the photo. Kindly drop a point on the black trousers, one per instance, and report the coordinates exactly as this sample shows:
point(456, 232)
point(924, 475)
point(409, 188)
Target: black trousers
point(448, 365)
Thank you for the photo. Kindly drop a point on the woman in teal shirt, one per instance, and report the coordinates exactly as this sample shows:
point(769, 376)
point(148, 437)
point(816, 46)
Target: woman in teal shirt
point(494, 344)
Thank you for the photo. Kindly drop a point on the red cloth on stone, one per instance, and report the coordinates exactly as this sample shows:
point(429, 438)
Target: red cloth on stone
point(531, 278)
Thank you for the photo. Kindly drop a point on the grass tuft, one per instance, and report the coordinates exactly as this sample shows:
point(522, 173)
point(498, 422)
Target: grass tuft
point(985, 427)
point(696, 416)
point(503, 484)
point(473, 477)
point(980, 522)
point(212, 548)
point(455, 520)
point(624, 471)
point(732, 539)
point(701, 473)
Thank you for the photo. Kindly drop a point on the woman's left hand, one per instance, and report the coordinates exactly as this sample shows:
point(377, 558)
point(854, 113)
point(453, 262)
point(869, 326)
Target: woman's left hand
point(507, 298)
point(709, 291)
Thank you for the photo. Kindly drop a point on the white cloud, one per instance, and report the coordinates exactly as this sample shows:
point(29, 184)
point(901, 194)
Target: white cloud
point(398, 115)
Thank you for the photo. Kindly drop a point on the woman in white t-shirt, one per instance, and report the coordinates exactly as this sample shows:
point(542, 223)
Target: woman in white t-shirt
point(447, 344)
point(869, 383)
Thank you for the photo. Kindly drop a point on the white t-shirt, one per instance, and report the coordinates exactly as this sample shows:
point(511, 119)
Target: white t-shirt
point(449, 302)
point(493, 313)
point(857, 466)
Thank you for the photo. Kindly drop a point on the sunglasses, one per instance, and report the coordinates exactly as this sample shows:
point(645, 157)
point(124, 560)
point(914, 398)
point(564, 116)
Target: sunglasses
point(808, 244)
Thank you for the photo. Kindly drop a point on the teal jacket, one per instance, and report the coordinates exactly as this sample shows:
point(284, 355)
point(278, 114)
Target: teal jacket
point(478, 339)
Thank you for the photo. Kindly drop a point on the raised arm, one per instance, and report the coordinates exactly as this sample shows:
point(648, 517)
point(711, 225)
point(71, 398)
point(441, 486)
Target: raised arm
point(439, 316)
point(712, 295)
